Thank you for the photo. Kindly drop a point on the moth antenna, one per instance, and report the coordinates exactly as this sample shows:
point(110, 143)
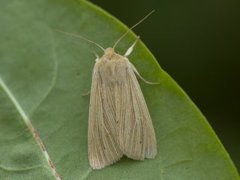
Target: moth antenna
point(139, 22)
point(81, 37)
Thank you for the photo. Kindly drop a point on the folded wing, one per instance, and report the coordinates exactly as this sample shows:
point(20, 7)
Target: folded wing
point(134, 125)
point(103, 148)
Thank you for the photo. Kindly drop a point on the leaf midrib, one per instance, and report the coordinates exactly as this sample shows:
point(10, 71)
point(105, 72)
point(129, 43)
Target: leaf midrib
point(29, 125)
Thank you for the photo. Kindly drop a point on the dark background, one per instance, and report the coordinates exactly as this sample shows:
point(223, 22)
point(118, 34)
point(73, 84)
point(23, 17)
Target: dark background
point(198, 44)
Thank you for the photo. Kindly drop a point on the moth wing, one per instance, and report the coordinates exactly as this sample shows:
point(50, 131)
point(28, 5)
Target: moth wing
point(135, 129)
point(103, 148)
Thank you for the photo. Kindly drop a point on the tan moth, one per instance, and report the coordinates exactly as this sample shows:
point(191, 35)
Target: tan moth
point(119, 121)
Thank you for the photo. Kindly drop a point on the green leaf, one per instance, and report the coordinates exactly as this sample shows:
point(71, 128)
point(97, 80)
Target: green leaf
point(43, 75)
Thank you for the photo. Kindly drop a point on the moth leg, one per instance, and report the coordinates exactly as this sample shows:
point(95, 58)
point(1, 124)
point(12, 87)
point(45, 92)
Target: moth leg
point(85, 94)
point(130, 49)
point(128, 52)
point(97, 56)
point(137, 73)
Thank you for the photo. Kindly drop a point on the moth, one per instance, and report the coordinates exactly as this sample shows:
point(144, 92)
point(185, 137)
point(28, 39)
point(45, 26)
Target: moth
point(119, 121)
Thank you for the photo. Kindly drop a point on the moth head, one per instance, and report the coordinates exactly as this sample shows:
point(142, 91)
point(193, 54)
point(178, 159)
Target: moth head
point(109, 53)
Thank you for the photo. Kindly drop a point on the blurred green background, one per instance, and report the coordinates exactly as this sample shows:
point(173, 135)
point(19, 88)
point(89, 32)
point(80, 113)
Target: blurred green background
point(198, 44)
